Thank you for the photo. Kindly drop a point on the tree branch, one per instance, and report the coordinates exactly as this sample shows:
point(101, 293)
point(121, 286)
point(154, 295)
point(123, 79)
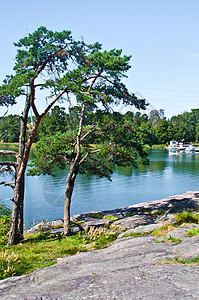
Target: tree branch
point(52, 103)
point(87, 154)
point(86, 134)
point(9, 152)
point(125, 95)
point(9, 163)
point(10, 184)
point(32, 99)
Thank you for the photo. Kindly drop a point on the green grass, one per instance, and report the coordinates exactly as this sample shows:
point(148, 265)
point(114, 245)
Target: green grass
point(136, 234)
point(154, 214)
point(110, 218)
point(192, 232)
point(171, 240)
point(129, 214)
point(10, 146)
point(186, 217)
point(179, 260)
point(96, 216)
point(163, 230)
point(133, 234)
point(39, 250)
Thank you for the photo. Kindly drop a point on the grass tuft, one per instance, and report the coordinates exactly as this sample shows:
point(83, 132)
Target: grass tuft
point(110, 218)
point(179, 260)
point(192, 232)
point(163, 230)
point(173, 241)
point(187, 217)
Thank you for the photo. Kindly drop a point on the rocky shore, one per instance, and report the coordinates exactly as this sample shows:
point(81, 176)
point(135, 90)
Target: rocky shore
point(138, 265)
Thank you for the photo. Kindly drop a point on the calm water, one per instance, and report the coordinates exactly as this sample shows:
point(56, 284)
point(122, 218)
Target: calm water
point(166, 175)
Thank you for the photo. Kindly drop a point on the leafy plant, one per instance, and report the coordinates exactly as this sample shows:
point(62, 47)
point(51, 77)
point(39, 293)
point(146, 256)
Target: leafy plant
point(97, 216)
point(4, 210)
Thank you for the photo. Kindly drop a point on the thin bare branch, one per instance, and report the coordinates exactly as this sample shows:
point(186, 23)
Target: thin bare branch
point(87, 155)
point(9, 152)
point(64, 157)
point(10, 184)
point(52, 103)
point(11, 199)
point(86, 134)
point(83, 159)
point(9, 163)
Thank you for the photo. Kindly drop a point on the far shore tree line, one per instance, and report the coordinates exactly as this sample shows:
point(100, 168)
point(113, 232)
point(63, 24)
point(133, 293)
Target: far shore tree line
point(153, 128)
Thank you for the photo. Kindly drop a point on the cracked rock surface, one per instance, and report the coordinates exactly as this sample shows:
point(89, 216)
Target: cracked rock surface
point(131, 268)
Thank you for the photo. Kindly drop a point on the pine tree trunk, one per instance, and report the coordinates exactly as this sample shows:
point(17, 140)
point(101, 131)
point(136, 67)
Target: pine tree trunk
point(68, 195)
point(16, 230)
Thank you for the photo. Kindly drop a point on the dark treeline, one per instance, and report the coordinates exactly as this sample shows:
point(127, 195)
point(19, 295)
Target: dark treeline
point(153, 128)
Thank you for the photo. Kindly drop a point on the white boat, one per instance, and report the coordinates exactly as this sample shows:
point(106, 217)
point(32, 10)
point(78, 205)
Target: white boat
point(173, 146)
point(180, 147)
point(190, 149)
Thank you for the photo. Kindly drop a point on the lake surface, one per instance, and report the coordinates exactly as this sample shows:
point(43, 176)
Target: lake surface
point(166, 175)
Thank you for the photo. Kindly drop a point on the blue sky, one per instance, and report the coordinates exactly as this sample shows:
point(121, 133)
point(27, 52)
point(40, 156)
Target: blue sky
point(161, 35)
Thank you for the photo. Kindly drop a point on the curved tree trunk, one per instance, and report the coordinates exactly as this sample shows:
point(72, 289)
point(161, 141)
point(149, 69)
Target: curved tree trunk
point(68, 195)
point(16, 231)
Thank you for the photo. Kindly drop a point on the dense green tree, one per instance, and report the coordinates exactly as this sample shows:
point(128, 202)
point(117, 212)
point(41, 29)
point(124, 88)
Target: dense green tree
point(90, 150)
point(105, 71)
point(52, 122)
point(54, 62)
point(9, 128)
point(161, 131)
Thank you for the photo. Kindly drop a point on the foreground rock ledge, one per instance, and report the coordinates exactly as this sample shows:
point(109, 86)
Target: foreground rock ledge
point(131, 268)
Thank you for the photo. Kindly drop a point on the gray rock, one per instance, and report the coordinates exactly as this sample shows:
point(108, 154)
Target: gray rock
point(131, 268)
point(126, 270)
point(134, 221)
point(140, 229)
